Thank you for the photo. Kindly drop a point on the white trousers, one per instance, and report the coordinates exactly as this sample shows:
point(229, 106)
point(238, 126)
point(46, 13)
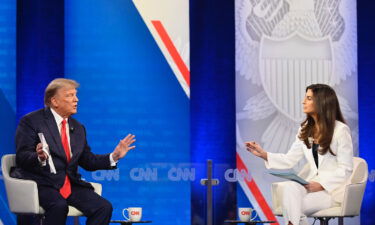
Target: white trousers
point(297, 203)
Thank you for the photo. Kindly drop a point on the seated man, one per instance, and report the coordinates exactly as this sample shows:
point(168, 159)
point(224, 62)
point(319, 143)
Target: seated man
point(59, 183)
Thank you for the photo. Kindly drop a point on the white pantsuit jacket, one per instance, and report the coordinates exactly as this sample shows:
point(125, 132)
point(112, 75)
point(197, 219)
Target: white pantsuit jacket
point(333, 171)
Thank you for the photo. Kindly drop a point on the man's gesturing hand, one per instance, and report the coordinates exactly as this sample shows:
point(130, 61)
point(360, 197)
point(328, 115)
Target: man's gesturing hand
point(39, 150)
point(123, 147)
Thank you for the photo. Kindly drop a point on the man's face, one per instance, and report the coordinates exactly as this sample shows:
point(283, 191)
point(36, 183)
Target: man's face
point(65, 101)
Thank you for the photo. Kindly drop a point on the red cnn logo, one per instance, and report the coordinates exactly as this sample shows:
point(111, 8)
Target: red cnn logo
point(134, 213)
point(245, 213)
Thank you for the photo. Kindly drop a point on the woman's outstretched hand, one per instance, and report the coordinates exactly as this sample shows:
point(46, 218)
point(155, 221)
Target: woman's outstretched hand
point(256, 149)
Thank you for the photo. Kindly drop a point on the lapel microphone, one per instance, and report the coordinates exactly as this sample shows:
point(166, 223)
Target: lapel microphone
point(71, 128)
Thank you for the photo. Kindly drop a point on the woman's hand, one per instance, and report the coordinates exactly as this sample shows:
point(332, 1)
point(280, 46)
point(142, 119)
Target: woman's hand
point(314, 187)
point(255, 148)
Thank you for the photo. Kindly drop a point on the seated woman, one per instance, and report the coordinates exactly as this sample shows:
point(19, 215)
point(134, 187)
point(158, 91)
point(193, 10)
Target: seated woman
point(324, 140)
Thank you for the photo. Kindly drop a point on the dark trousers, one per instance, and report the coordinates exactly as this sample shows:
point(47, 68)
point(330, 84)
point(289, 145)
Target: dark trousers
point(97, 209)
point(28, 219)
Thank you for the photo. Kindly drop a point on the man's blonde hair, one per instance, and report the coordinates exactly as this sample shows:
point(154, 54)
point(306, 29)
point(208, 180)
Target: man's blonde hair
point(55, 85)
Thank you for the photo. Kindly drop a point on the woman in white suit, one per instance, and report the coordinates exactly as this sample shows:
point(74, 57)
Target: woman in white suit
point(324, 140)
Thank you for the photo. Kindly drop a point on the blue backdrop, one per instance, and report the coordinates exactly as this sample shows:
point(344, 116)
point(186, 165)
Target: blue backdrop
point(366, 106)
point(128, 87)
point(213, 104)
point(7, 91)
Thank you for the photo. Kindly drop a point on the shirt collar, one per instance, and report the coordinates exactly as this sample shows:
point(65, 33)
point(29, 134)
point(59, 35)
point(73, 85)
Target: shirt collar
point(57, 117)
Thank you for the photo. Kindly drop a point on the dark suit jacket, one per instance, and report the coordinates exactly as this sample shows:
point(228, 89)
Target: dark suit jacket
point(28, 166)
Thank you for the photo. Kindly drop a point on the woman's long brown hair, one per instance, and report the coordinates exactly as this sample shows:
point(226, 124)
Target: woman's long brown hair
point(328, 111)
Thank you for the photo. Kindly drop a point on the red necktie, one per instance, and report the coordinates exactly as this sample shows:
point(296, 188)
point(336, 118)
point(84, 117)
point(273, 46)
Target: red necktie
point(66, 189)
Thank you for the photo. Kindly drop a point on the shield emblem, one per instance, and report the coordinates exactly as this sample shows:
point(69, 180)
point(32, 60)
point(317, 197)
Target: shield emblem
point(288, 65)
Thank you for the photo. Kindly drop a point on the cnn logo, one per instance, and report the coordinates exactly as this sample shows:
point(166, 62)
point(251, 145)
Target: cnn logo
point(134, 213)
point(245, 213)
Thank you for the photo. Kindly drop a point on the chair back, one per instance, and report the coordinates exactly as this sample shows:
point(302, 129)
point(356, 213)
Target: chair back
point(7, 161)
point(360, 171)
point(355, 190)
point(22, 194)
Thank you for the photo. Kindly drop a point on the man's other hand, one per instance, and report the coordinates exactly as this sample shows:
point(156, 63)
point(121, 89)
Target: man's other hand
point(123, 147)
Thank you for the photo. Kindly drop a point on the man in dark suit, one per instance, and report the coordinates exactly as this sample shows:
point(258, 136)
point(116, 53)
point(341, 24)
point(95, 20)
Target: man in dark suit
point(56, 172)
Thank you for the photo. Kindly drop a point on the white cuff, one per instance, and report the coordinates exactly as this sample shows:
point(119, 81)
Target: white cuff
point(112, 161)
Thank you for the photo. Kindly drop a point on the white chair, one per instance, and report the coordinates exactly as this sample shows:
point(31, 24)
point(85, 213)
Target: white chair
point(23, 194)
point(350, 207)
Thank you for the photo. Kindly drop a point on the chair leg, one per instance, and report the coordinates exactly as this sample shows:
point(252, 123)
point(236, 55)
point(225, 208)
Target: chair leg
point(341, 220)
point(324, 220)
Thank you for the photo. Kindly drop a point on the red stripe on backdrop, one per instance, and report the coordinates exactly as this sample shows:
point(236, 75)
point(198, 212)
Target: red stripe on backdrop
point(256, 192)
point(172, 50)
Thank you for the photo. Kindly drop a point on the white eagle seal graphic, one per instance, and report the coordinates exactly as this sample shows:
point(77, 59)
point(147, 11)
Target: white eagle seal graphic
point(282, 46)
